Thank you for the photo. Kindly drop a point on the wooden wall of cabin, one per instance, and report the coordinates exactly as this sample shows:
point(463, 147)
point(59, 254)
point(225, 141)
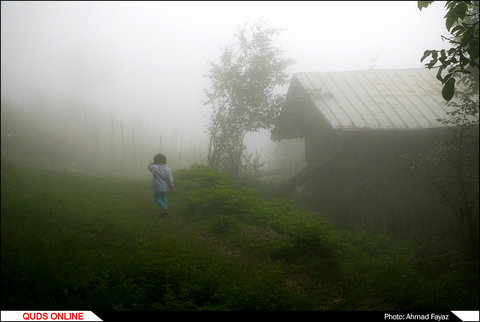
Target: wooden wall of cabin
point(362, 180)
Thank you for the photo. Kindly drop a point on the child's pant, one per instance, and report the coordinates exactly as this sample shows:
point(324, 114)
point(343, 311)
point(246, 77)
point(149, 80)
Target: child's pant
point(161, 198)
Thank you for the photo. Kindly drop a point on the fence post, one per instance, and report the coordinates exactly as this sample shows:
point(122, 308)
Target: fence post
point(123, 142)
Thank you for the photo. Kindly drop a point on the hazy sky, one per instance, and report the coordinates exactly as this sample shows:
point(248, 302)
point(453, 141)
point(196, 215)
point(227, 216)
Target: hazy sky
point(147, 60)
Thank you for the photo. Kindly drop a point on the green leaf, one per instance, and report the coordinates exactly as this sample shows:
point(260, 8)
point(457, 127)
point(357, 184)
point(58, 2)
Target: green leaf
point(439, 74)
point(473, 52)
point(451, 19)
point(423, 4)
point(449, 89)
point(449, 4)
point(447, 77)
point(425, 55)
point(442, 58)
point(460, 9)
point(459, 28)
point(457, 11)
point(432, 63)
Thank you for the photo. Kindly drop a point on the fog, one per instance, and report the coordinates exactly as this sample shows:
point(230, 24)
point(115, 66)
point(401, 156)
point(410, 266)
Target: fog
point(142, 65)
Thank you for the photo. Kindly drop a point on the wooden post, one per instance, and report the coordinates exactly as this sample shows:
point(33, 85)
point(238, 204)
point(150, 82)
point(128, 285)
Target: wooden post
point(95, 133)
point(134, 148)
point(111, 138)
point(123, 142)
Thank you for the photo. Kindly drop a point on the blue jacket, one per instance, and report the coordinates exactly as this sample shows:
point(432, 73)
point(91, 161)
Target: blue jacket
point(162, 177)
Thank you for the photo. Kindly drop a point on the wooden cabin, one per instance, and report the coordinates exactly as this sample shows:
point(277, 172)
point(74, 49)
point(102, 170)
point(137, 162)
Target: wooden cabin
point(362, 131)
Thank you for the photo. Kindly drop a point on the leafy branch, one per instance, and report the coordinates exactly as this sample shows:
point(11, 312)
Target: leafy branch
point(462, 22)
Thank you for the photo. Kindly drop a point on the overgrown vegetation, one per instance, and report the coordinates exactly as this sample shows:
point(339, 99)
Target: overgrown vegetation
point(72, 241)
point(459, 65)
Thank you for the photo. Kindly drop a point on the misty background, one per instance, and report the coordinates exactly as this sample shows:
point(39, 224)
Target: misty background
point(129, 77)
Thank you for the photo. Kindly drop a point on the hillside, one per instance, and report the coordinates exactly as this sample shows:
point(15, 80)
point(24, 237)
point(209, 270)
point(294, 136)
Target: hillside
point(79, 241)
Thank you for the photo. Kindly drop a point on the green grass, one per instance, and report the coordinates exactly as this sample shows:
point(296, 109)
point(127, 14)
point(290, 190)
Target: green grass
point(72, 241)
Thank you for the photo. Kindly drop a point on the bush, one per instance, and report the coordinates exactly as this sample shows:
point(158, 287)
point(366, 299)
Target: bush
point(363, 269)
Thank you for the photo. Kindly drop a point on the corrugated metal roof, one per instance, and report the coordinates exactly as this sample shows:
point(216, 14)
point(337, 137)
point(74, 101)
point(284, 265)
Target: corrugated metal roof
point(377, 99)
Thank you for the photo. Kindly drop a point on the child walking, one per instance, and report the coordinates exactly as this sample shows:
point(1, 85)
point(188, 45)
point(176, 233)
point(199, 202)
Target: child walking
point(162, 180)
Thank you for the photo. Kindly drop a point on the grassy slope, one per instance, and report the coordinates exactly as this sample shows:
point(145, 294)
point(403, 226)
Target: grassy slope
point(72, 241)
